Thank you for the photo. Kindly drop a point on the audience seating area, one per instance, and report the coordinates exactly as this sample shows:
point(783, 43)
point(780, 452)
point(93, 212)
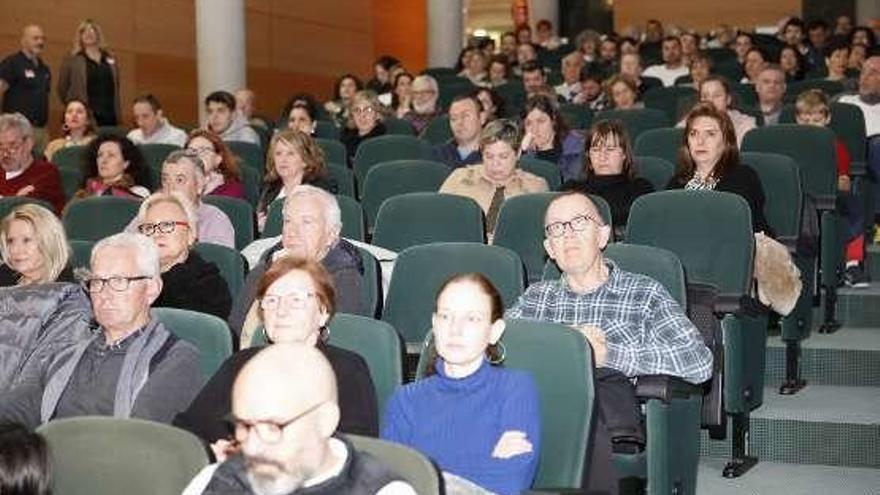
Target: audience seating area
point(698, 244)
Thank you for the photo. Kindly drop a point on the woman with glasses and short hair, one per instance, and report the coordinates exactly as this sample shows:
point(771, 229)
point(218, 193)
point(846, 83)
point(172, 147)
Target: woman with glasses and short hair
point(364, 122)
point(610, 170)
point(189, 282)
point(296, 301)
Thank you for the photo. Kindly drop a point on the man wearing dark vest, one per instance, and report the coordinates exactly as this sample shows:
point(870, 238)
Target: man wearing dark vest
point(25, 81)
point(285, 412)
point(131, 366)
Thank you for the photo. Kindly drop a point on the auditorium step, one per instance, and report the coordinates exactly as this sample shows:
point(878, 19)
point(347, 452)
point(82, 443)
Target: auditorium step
point(773, 478)
point(823, 424)
point(849, 357)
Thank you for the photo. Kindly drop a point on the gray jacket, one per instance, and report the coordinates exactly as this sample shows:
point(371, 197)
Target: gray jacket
point(38, 324)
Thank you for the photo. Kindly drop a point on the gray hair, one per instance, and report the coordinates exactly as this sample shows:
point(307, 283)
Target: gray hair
point(505, 130)
point(146, 254)
point(190, 156)
point(176, 198)
point(16, 121)
point(330, 205)
point(426, 79)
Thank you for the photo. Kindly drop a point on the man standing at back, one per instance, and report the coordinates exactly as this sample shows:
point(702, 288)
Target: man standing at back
point(25, 81)
point(285, 410)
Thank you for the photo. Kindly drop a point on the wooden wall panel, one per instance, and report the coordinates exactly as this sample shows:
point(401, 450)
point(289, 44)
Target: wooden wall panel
point(705, 14)
point(292, 45)
point(400, 29)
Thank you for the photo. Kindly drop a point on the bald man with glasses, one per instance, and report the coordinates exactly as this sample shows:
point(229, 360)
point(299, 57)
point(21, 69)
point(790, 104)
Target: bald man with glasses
point(132, 366)
point(285, 413)
point(632, 324)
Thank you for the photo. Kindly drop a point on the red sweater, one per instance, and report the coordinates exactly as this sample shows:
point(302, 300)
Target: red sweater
point(43, 176)
point(842, 157)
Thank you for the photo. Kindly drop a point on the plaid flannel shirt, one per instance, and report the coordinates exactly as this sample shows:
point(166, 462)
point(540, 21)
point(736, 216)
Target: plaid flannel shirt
point(646, 330)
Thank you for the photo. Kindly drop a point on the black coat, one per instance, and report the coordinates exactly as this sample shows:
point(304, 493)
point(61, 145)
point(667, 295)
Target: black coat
point(744, 181)
point(358, 407)
point(196, 285)
point(618, 190)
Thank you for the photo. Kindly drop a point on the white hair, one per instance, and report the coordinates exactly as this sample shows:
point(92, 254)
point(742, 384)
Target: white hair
point(176, 198)
point(16, 121)
point(426, 79)
point(145, 252)
point(330, 206)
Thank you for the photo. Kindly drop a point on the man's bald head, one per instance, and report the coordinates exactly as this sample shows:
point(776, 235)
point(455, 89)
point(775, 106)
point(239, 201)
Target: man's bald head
point(284, 379)
point(285, 406)
point(576, 199)
point(33, 40)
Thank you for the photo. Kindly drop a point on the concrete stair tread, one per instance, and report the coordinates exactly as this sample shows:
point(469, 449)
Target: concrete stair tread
point(789, 479)
point(848, 337)
point(823, 403)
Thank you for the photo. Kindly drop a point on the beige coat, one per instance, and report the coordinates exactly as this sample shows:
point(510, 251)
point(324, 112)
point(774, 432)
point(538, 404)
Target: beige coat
point(470, 182)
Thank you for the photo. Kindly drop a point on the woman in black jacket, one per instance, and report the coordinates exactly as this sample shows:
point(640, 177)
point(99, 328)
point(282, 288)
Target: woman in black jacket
point(610, 171)
point(297, 301)
point(188, 281)
point(709, 160)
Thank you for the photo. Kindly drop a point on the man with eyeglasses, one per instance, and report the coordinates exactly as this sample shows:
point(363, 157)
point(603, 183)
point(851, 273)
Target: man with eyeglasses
point(631, 322)
point(184, 172)
point(132, 366)
point(285, 413)
point(22, 174)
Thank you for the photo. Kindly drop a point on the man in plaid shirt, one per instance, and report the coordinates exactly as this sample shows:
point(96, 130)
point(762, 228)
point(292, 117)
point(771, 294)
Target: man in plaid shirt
point(632, 323)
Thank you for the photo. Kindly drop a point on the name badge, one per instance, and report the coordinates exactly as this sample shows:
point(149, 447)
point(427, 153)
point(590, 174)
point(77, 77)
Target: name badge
point(28, 73)
point(111, 60)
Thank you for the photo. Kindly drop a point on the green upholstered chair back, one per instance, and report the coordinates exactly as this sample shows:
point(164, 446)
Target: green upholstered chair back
point(638, 120)
point(546, 170)
point(99, 455)
point(419, 272)
point(661, 143)
point(95, 218)
point(422, 218)
point(388, 179)
point(209, 334)
point(413, 466)
point(387, 148)
point(658, 171)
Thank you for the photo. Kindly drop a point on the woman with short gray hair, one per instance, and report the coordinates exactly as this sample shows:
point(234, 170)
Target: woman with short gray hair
point(189, 282)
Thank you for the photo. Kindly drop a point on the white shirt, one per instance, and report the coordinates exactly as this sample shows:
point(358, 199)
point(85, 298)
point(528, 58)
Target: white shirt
point(668, 76)
point(200, 482)
point(165, 134)
point(871, 113)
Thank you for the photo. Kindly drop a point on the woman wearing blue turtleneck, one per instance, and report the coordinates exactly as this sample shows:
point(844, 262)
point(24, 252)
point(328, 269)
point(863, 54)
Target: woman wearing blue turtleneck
point(478, 421)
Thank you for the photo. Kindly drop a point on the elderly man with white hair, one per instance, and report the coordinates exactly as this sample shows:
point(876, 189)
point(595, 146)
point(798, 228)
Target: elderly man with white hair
point(132, 367)
point(425, 93)
point(312, 223)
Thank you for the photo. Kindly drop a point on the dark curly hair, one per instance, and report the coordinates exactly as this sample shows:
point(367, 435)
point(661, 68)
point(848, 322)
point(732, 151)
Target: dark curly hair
point(137, 170)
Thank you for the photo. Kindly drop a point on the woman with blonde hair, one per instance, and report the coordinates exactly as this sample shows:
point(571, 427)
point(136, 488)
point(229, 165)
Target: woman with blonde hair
point(91, 74)
point(294, 158)
point(33, 247)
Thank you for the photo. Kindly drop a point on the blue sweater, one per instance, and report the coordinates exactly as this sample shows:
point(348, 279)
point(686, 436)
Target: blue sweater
point(457, 422)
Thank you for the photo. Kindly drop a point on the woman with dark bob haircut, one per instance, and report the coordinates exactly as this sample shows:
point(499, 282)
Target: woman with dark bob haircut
point(709, 159)
point(296, 301)
point(114, 166)
point(24, 462)
point(609, 168)
point(547, 136)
